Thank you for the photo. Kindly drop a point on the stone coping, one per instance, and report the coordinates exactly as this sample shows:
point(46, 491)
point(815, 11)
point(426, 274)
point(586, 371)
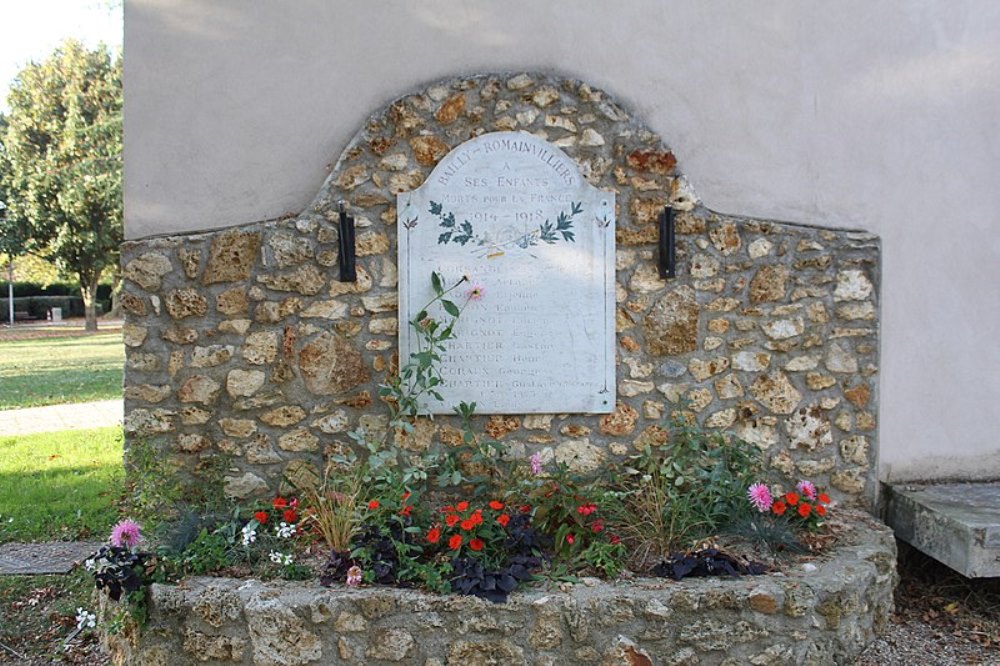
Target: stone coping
point(823, 615)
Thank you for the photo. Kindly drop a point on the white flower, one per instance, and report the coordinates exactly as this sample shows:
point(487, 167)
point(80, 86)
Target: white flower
point(85, 619)
point(285, 531)
point(249, 535)
point(280, 558)
point(89, 565)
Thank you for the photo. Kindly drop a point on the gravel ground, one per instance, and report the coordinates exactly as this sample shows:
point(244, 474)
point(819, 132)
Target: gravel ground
point(942, 618)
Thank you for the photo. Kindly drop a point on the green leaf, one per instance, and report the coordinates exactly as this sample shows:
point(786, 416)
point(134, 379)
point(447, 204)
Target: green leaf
point(451, 308)
point(436, 283)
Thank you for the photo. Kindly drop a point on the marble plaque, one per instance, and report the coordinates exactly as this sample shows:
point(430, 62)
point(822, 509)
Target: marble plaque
point(512, 213)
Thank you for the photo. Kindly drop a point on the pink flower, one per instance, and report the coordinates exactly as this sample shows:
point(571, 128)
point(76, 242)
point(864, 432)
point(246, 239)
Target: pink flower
point(760, 497)
point(354, 576)
point(536, 463)
point(807, 489)
point(476, 291)
point(127, 533)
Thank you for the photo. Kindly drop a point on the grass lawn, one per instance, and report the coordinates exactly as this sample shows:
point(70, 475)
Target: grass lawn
point(60, 370)
point(60, 485)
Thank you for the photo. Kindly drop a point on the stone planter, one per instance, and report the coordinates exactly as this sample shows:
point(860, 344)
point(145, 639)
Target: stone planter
point(821, 616)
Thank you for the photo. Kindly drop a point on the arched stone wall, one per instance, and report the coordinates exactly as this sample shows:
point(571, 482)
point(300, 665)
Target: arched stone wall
point(242, 342)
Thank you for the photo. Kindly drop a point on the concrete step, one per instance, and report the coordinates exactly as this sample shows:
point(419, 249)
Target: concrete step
point(957, 524)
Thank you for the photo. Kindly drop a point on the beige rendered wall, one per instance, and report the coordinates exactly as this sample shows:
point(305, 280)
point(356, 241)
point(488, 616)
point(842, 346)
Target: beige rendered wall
point(884, 116)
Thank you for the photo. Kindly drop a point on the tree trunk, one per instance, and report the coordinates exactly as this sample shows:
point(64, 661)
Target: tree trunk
point(89, 293)
point(116, 297)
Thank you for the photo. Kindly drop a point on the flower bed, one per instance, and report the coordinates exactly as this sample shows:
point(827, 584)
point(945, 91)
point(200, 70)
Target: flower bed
point(823, 611)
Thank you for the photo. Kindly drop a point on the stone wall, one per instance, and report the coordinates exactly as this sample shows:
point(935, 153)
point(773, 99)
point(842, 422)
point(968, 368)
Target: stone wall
point(823, 616)
point(243, 342)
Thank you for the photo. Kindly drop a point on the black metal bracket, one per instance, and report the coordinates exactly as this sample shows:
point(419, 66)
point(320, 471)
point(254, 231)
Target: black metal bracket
point(345, 244)
point(667, 255)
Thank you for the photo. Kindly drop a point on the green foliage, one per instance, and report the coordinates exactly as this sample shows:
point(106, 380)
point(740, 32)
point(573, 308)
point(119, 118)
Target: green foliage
point(690, 488)
point(62, 165)
point(574, 510)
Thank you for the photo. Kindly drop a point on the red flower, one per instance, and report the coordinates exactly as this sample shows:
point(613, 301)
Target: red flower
point(525, 508)
point(290, 516)
point(477, 517)
point(260, 517)
point(294, 503)
point(434, 535)
point(373, 505)
point(451, 519)
point(468, 524)
point(455, 542)
point(462, 506)
point(570, 539)
point(495, 505)
point(597, 527)
point(820, 510)
point(586, 509)
point(503, 519)
point(804, 509)
point(778, 508)
point(615, 539)
point(447, 509)
point(792, 498)
point(279, 503)
point(824, 498)
point(405, 511)
point(406, 495)
point(476, 544)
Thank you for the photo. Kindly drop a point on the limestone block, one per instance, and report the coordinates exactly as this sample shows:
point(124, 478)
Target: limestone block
point(703, 369)
point(260, 347)
point(148, 269)
point(749, 361)
point(428, 150)
point(148, 392)
point(852, 285)
point(328, 309)
point(283, 416)
point(330, 364)
point(619, 422)
point(808, 428)
point(278, 635)
point(238, 427)
point(726, 239)
point(192, 443)
point(299, 439)
point(290, 249)
point(183, 303)
point(671, 328)
point(307, 280)
point(243, 383)
point(232, 301)
point(782, 329)
point(133, 335)
point(242, 487)
point(199, 388)
point(231, 257)
point(580, 455)
point(179, 335)
point(207, 357)
point(775, 392)
point(769, 284)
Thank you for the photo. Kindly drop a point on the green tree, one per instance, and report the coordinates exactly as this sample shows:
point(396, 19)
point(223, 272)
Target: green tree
point(62, 171)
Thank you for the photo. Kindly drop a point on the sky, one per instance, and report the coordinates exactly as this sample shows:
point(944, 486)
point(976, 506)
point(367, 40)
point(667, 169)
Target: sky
point(31, 29)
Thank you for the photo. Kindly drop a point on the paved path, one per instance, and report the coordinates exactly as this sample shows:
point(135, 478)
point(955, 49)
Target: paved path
point(54, 557)
point(81, 416)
